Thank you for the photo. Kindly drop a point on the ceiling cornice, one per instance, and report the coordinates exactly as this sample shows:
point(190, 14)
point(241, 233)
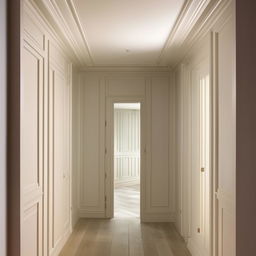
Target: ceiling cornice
point(126, 69)
point(184, 36)
point(189, 15)
point(189, 26)
point(62, 18)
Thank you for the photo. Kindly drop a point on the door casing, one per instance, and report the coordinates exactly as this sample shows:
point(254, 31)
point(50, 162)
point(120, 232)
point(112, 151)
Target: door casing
point(109, 152)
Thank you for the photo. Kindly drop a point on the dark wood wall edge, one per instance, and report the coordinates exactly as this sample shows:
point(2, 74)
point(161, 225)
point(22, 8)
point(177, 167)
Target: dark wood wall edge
point(246, 127)
point(13, 126)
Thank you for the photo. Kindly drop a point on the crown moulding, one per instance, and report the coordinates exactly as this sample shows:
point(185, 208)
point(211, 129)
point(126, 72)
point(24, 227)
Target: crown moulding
point(61, 18)
point(182, 38)
point(192, 21)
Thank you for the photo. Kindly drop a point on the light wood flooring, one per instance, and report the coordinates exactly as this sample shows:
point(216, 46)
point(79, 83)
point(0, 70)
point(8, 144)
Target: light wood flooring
point(124, 237)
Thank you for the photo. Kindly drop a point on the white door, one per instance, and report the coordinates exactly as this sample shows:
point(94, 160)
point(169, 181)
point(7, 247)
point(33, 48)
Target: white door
point(32, 90)
point(59, 173)
point(200, 172)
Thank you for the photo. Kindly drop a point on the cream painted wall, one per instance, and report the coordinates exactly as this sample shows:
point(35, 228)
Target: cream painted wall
point(3, 124)
point(217, 51)
point(154, 89)
point(75, 141)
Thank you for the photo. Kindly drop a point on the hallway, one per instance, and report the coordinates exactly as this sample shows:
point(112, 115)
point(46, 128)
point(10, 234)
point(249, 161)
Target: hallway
point(126, 121)
point(124, 237)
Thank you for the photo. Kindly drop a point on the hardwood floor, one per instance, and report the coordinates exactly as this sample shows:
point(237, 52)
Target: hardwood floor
point(124, 237)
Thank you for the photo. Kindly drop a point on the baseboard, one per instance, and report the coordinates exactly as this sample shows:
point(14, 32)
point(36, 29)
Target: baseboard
point(91, 214)
point(56, 251)
point(75, 218)
point(194, 249)
point(157, 217)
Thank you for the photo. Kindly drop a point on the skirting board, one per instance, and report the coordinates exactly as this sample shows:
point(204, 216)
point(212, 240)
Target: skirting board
point(157, 217)
point(90, 214)
point(75, 218)
point(194, 249)
point(61, 243)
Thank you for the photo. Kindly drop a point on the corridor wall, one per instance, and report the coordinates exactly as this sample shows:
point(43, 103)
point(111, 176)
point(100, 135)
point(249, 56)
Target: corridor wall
point(208, 226)
point(156, 91)
point(46, 158)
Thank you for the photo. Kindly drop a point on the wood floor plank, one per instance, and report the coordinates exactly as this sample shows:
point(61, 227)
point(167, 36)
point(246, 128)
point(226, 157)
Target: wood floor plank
point(149, 245)
point(135, 238)
point(120, 245)
point(88, 243)
point(124, 237)
point(73, 243)
point(103, 239)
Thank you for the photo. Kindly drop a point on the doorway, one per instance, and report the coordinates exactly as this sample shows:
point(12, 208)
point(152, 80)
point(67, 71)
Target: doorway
point(126, 160)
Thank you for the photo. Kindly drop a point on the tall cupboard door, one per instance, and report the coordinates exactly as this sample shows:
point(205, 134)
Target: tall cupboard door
point(32, 134)
point(225, 180)
point(59, 188)
point(199, 241)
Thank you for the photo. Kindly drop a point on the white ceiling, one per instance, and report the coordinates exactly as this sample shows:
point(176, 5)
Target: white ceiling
point(127, 32)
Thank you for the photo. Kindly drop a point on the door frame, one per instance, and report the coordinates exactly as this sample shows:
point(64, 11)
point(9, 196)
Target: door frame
point(109, 152)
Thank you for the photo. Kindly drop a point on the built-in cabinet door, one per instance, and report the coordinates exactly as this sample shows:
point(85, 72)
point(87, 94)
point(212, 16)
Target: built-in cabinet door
point(45, 139)
point(225, 182)
point(32, 89)
point(59, 194)
point(199, 242)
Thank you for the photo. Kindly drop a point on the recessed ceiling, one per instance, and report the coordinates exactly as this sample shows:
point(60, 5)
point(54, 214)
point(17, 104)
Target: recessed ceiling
point(127, 32)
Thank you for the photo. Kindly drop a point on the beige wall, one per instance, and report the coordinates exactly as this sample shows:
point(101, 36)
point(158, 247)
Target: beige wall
point(154, 89)
point(3, 83)
point(218, 50)
point(46, 167)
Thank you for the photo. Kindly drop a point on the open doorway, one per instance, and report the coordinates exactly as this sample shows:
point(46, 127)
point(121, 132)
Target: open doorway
point(127, 160)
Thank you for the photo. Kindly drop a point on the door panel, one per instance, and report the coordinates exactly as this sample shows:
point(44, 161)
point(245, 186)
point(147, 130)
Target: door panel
point(225, 182)
point(199, 241)
point(59, 188)
point(32, 151)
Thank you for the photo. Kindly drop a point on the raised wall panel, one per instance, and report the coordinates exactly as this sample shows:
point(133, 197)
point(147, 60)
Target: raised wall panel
point(32, 119)
point(225, 187)
point(126, 87)
point(159, 172)
point(153, 91)
point(192, 149)
point(199, 188)
point(75, 145)
point(59, 160)
point(92, 146)
point(45, 139)
point(32, 151)
point(31, 235)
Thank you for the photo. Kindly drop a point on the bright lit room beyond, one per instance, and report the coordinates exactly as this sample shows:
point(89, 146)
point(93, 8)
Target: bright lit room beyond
point(128, 128)
point(127, 160)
